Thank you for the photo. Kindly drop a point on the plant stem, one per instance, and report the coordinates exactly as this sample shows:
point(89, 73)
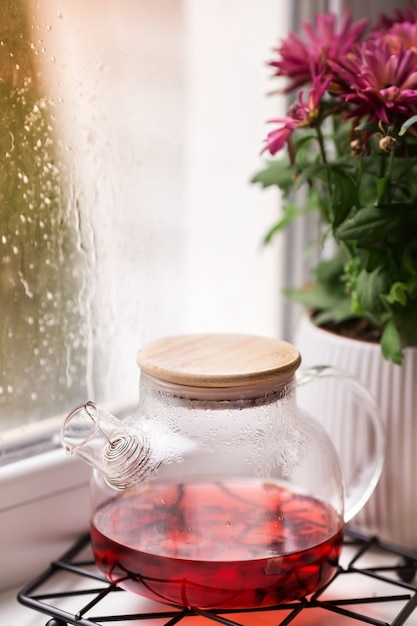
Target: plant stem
point(389, 170)
point(321, 144)
point(384, 178)
point(323, 154)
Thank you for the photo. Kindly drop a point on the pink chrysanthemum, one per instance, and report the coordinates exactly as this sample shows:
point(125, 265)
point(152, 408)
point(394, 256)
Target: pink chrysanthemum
point(323, 43)
point(379, 84)
point(401, 36)
point(406, 14)
point(301, 115)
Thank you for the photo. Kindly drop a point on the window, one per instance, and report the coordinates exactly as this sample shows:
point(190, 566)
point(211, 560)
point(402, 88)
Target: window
point(138, 124)
point(131, 132)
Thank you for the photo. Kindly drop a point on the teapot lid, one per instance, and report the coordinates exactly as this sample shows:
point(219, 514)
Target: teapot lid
point(219, 360)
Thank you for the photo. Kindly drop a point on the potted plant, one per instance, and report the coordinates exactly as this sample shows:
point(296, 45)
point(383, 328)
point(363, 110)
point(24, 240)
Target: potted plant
point(348, 152)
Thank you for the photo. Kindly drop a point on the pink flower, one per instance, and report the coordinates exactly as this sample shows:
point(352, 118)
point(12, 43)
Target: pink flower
point(401, 36)
point(301, 115)
point(378, 83)
point(407, 14)
point(277, 138)
point(324, 43)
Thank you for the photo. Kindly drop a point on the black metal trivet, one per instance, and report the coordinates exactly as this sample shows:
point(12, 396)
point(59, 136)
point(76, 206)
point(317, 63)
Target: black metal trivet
point(72, 591)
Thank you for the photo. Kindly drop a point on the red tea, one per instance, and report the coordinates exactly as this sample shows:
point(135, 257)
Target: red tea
point(228, 544)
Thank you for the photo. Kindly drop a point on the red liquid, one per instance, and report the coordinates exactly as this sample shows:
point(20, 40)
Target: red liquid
point(226, 544)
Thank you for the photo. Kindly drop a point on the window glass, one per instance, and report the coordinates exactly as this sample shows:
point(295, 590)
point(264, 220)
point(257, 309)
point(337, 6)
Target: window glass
point(126, 210)
point(78, 155)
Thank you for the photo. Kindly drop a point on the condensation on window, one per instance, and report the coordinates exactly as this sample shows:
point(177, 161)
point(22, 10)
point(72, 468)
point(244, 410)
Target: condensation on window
point(90, 127)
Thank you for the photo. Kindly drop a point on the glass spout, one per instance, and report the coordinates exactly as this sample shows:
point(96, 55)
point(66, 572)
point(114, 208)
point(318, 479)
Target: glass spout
point(120, 452)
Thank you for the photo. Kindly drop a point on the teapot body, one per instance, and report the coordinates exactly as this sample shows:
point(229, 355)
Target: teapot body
point(244, 510)
point(218, 492)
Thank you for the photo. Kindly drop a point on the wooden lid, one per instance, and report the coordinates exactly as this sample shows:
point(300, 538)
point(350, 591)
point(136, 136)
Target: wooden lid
point(219, 360)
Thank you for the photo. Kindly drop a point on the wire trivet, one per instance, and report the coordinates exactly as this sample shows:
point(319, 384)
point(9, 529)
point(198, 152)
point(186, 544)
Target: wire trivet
point(72, 591)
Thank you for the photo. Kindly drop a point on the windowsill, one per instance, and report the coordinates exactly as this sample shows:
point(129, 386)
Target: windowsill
point(14, 614)
point(44, 506)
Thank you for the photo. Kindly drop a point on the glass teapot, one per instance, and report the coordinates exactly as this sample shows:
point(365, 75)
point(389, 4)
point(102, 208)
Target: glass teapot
point(219, 491)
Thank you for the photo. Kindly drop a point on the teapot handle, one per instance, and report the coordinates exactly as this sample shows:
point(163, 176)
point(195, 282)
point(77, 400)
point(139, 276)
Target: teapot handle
point(361, 485)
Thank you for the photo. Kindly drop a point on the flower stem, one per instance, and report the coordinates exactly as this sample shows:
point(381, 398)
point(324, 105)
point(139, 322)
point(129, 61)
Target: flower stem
point(321, 144)
point(323, 154)
point(385, 178)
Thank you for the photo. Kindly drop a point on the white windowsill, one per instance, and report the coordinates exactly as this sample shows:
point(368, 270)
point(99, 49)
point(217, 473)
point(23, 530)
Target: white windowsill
point(44, 506)
point(14, 614)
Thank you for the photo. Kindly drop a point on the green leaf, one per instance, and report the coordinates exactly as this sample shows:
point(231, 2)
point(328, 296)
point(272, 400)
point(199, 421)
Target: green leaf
point(372, 259)
point(278, 173)
point(315, 170)
point(372, 126)
point(391, 344)
point(291, 212)
point(368, 225)
point(398, 294)
point(386, 223)
point(303, 140)
point(338, 313)
point(330, 303)
point(369, 287)
point(330, 270)
point(344, 195)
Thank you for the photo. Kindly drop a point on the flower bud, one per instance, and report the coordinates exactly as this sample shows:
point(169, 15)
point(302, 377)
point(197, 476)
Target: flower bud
point(357, 147)
point(388, 144)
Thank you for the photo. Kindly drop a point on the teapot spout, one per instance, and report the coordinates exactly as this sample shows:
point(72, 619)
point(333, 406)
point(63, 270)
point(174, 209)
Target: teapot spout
point(119, 451)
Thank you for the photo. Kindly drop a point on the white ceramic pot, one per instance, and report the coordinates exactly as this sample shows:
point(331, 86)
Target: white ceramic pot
point(391, 512)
